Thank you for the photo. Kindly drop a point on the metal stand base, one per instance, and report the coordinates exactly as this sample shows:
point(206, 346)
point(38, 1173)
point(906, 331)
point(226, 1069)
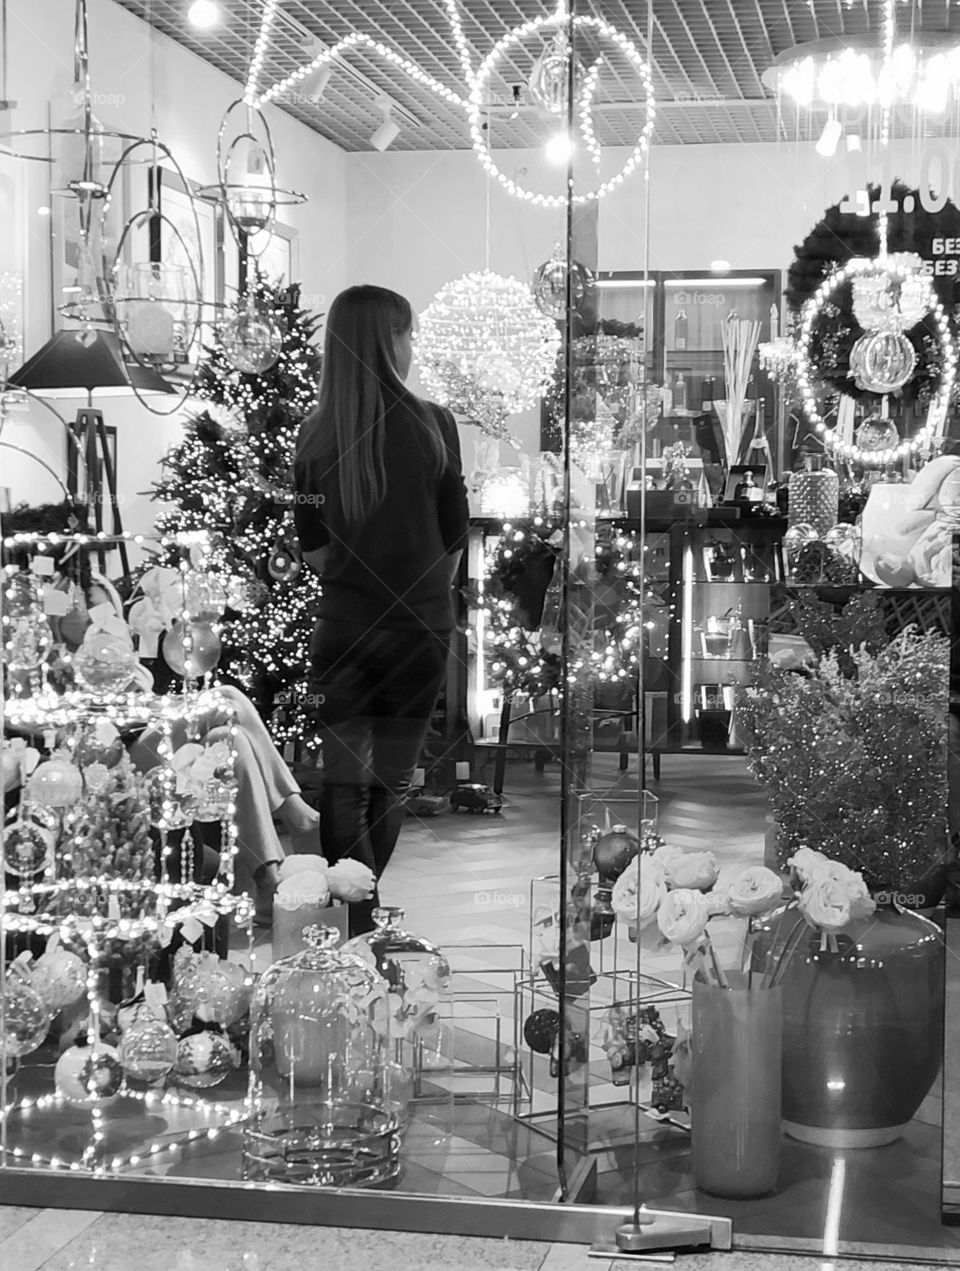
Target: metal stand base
point(661, 1229)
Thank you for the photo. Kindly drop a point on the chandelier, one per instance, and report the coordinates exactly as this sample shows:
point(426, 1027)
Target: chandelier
point(874, 70)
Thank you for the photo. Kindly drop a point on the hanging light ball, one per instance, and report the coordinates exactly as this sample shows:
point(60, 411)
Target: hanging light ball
point(283, 564)
point(613, 852)
point(251, 340)
point(540, 1030)
point(24, 1016)
point(484, 349)
point(876, 433)
point(60, 977)
point(882, 361)
point(148, 1049)
point(89, 1075)
point(105, 661)
point(99, 742)
point(204, 652)
point(550, 75)
point(549, 286)
point(55, 783)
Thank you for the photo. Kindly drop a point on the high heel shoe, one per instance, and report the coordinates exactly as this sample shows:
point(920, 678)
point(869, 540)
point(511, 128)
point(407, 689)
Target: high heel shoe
point(266, 878)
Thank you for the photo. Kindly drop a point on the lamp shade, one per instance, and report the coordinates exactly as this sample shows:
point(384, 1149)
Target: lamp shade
point(66, 363)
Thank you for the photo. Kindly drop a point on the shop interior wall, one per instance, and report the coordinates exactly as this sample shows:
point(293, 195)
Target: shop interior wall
point(142, 80)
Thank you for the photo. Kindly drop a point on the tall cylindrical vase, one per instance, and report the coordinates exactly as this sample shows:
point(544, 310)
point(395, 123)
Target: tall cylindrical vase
point(735, 1098)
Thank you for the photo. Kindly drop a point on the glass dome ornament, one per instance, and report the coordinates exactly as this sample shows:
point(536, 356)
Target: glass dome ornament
point(154, 304)
point(877, 433)
point(89, 1074)
point(251, 339)
point(202, 655)
point(205, 1058)
point(105, 661)
point(895, 297)
point(882, 361)
point(549, 286)
point(417, 974)
point(28, 847)
point(319, 1099)
point(24, 1016)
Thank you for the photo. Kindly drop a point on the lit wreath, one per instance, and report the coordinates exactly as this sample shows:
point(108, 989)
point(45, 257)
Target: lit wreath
point(937, 413)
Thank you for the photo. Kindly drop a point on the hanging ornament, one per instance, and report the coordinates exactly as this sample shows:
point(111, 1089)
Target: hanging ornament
point(540, 1031)
point(148, 1049)
point(882, 361)
point(168, 807)
point(27, 847)
point(204, 652)
point(89, 1074)
point(211, 989)
point(283, 564)
point(60, 977)
point(24, 1016)
point(105, 661)
point(896, 297)
point(877, 433)
point(204, 597)
point(55, 783)
point(247, 593)
point(549, 286)
point(27, 642)
point(550, 75)
point(205, 1059)
point(251, 340)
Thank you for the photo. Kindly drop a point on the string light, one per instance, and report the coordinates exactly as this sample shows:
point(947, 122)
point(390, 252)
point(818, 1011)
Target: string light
point(937, 414)
point(259, 52)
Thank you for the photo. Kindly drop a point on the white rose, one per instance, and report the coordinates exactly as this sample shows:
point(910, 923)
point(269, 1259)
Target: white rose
point(805, 862)
point(305, 864)
point(638, 891)
point(862, 904)
point(825, 903)
point(755, 890)
point(697, 870)
point(682, 916)
point(664, 856)
point(351, 881)
point(304, 889)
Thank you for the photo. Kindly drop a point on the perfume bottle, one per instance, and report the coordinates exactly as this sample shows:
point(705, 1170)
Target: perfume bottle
point(680, 328)
point(740, 648)
point(814, 495)
point(679, 392)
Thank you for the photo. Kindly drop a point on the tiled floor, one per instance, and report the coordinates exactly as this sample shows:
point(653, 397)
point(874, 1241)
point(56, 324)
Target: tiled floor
point(465, 882)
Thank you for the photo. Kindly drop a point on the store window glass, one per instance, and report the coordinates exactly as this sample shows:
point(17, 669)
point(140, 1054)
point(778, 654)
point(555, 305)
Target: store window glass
point(536, 797)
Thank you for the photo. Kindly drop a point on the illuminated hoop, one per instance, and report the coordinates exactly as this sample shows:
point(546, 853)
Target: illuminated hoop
point(937, 413)
point(475, 108)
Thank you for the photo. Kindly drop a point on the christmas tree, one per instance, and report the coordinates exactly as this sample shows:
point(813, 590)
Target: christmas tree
point(232, 476)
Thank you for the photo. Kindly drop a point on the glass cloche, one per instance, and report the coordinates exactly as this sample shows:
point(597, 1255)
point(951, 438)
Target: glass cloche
point(320, 1112)
point(417, 975)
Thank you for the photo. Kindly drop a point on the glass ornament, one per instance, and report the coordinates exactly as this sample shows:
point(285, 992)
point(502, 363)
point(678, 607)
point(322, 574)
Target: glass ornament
point(105, 661)
point(27, 641)
point(205, 1059)
point(251, 340)
point(250, 190)
point(797, 537)
point(56, 782)
point(60, 977)
point(99, 743)
point(156, 306)
point(88, 1074)
point(882, 302)
point(549, 78)
point(204, 597)
point(283, 564)
point(882, 361)
point(204, 653)
point(845, 539)
point(877, 433)
point(24, 1016)
point(613, 851)
point(167, 807)
point(549, 286)
point(148, 1049)
point(247, 593)
point(814, 496)
point(27, 847)
point(322, 1090)
point(207, 988)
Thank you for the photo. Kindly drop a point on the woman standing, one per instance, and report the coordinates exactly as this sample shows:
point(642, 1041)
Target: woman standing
point(381, 512)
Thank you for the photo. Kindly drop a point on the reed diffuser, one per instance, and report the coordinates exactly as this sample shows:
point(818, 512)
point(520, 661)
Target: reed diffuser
point(740, 338)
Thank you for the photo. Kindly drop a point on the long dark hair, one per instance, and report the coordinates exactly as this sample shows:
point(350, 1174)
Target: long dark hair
point(360, 382)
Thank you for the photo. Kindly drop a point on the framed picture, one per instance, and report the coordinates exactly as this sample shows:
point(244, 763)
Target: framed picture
point(710, 697)
point(76, 258)
point(279, 259)
point(745, 483)
point(175, 241)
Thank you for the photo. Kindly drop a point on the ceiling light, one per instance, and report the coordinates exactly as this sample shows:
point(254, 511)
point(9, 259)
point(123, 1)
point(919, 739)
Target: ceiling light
point(204, 14)
point(719, 266)
point(854, 142)
point(389, 130)
point(829, 138)
point(559, 148)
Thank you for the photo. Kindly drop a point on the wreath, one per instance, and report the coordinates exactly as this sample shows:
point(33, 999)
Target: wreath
point(836, 239)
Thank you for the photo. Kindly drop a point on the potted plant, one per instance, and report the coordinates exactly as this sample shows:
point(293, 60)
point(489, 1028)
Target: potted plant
point(851, 746)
